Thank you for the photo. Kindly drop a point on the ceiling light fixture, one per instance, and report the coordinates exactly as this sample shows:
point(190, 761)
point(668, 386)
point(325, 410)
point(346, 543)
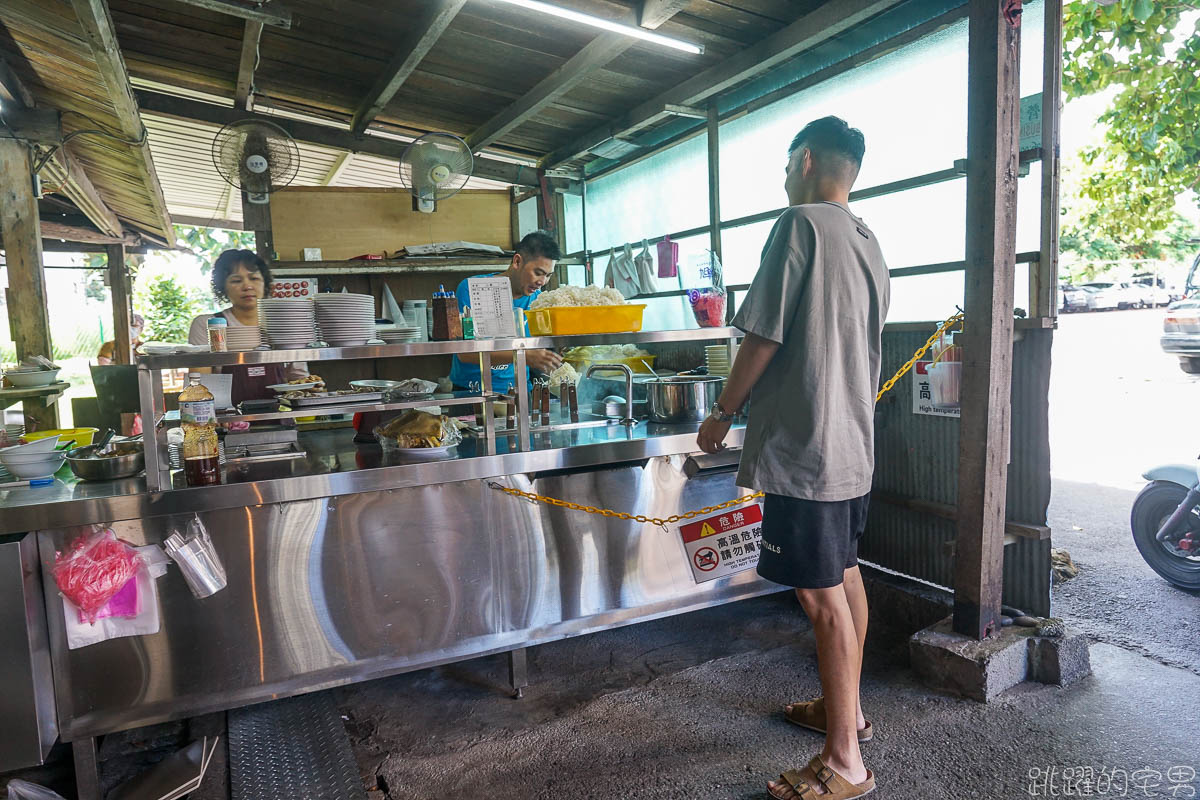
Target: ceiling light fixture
point(608, 25)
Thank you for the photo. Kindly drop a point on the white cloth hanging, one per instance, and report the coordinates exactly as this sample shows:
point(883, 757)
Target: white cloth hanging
point(624, 272)
point(644, 264)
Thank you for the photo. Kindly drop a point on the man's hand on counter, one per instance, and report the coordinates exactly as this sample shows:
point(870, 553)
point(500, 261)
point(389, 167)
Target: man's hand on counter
point(543, 360)
point(711, 438)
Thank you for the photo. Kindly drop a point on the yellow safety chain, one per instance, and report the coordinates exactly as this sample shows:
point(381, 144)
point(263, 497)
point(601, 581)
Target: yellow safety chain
point(917, 356)
point(606, 512)
point(671, 520)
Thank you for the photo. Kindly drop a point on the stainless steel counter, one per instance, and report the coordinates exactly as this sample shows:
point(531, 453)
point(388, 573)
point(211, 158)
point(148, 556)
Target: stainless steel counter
point(337, 466)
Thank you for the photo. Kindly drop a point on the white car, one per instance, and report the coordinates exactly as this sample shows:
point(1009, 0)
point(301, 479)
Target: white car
point(1103, 296)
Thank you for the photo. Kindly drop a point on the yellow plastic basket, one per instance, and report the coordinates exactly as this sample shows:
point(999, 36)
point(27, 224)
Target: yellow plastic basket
point(571, 320)
point(81, 436)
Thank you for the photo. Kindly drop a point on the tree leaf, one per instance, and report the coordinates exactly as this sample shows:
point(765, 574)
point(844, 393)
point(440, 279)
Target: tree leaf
point(1142, 9)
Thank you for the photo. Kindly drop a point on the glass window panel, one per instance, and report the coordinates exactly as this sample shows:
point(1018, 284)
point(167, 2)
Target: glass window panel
point(574, 222)
point(663, 193)
point(741, 249)
point(910, 105)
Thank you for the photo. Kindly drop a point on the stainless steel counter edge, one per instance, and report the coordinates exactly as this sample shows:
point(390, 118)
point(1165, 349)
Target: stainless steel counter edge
point(430, 348)
point(65, 513)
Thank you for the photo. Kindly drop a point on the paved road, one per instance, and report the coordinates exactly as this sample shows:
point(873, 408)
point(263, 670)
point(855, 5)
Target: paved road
point(1117, 407)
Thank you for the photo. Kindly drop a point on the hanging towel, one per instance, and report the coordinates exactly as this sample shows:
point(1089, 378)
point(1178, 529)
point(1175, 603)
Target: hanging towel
point(668, 258)
point(645, 270)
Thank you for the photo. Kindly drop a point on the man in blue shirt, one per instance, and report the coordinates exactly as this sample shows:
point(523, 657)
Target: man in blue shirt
point(531, 266)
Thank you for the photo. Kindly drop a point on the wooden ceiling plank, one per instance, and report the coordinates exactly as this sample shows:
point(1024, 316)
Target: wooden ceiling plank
point(424, 34)
point(74, 183)
point(273, 14)
point(244, 94)
point(596, 54)
point(98, 28)
point(805, 33)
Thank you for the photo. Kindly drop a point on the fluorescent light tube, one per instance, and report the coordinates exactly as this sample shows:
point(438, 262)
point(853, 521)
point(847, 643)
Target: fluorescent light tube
point(608, 25)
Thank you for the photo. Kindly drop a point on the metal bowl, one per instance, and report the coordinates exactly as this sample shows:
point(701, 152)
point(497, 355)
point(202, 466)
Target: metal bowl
point(104, 469)
point(683, 398)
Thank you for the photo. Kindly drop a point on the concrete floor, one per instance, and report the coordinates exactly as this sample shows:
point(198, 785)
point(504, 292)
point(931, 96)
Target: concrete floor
point(689, 707)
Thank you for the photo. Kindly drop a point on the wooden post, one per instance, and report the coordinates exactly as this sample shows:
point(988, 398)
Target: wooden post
point(20, 228)
point(1043, 282)
point(992, 135)
point(257, 217)
point(118, 282)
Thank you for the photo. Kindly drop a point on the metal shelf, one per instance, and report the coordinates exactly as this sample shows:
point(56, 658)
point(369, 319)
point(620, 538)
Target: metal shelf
point(430, 348)
point(452, 399)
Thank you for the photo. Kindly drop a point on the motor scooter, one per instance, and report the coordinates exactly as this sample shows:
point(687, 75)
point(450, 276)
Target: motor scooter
point(1166, 523)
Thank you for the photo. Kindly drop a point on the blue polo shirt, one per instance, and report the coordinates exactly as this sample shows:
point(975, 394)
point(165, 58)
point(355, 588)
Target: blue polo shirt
point(503, 376)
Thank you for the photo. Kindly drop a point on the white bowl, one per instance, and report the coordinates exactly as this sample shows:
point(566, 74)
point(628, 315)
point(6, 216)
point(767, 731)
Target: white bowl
point(38, 469)
point(25, 458)
point(36, 446)
point(33, 378)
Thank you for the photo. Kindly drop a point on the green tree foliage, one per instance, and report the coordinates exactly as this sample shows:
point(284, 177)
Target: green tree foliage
point(1151, 149)
point(208, 243)
point(166, 303)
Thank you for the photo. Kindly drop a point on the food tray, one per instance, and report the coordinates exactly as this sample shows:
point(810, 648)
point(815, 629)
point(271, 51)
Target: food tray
point(572, 320)
point(334, 399)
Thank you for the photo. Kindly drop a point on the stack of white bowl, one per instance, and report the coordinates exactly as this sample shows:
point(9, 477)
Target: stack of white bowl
point(35, 460)
point(288, 323)
point(31, 377)
point(716, 358)
point(346, 320)
point(243, 337)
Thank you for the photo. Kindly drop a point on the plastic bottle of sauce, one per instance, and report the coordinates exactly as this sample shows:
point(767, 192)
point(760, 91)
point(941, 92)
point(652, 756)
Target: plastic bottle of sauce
point(198, 419)
point(447, 324)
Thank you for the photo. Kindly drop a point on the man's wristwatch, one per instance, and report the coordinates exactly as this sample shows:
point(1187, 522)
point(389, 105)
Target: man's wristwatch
point(720, 414)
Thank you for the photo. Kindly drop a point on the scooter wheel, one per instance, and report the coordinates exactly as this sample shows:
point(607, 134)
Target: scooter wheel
point(1154, 504)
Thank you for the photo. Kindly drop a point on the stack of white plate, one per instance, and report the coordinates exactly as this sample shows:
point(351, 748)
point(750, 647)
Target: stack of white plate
point(346, 320)
point(716, 358)
point(415, 313)
point(287, 323)
point(243, 337)
point(396, 334)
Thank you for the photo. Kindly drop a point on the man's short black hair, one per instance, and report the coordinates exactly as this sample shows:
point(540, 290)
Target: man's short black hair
point(831, 136)
point(227, 264)
point(539, 244)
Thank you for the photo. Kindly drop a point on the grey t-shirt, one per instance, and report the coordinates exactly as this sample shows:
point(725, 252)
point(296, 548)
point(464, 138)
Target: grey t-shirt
point(821, 292)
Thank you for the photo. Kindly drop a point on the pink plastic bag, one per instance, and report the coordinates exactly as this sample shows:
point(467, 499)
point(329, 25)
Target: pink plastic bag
point(97, 566)
point(668, 258)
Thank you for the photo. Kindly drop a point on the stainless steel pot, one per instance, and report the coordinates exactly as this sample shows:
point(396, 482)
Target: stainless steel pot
point(683, 398)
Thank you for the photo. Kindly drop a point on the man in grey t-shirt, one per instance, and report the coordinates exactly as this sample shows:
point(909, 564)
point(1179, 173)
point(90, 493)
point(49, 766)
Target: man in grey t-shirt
point(810, 368)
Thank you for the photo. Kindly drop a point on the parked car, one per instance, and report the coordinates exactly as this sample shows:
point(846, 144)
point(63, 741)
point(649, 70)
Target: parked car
point(1181, 334)
point(1136, 295)
point(1073, 298)
point(1103, 296)
point(1160, 293)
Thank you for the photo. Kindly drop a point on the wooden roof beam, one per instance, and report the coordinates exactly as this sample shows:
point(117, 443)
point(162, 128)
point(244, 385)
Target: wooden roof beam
point(99, 33)
point(73, 183)
point(594, 55)
point(337, 138)
point(338, 168)
point(12, 89)
point(251, 36)
point(812, 29)
point(271, 12)
point(421, 38)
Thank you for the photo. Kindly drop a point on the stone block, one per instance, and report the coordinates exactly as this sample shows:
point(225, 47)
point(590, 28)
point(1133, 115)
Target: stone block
point(979, 670)
point(1059, 660)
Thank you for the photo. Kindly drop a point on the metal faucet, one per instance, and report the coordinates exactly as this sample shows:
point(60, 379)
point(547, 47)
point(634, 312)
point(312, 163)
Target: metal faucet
point(628, 420)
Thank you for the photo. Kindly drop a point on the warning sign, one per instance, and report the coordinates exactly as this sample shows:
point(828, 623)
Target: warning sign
point(935, 388)
point(723, 544)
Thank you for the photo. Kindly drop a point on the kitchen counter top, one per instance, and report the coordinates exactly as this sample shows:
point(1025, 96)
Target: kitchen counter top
point(335, 465)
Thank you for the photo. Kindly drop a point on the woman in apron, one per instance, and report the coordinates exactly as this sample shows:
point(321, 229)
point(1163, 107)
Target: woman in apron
point(241, 278)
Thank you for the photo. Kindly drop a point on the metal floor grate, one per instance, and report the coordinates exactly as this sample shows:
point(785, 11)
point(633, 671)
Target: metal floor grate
point(292, 749)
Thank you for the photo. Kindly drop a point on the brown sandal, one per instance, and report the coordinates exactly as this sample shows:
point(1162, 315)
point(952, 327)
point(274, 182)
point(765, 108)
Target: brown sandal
point(811, 715)
point(836, 787)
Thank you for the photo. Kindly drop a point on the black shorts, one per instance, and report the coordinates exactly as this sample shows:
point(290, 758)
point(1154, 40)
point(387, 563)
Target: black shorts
point(809, 544)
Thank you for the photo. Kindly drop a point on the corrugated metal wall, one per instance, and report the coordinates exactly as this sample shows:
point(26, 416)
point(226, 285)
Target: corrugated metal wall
point(917, 458)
